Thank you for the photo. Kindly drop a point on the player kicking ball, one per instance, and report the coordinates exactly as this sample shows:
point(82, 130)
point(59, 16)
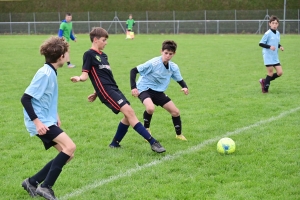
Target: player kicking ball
point(97, 68)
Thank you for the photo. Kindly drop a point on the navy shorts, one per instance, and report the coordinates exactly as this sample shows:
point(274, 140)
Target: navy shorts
point(158, 98)
point(274, 65)
point(114, 98)
point(47, 139)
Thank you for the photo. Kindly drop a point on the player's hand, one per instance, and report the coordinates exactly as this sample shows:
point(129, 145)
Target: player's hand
point(75, 79)
point(272, 48)
point(281, 48)
point(40, 127)
point(185, 90)
point(92, 97)
point(135, 92)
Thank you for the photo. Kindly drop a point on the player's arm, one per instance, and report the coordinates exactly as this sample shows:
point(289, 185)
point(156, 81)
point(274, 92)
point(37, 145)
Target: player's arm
point(26, 102)
point(61, 30)
point(60, 33)
point(83, 77)
point(133, 72)
point(183, 86)
point(72, 36)
point(280, 47)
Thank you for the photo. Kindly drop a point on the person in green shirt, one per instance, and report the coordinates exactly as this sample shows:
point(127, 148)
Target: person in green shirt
point(129, 25)
point(65, 30)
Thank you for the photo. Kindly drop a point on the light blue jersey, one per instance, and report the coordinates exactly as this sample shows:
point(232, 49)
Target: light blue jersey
point(44, 90)
point(154, 75)
point(272, 39)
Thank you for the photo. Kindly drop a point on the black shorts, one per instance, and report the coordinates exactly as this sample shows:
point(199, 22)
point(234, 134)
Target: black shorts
point(114, 98)
point(47, 139)
point(274, 65)
point(158, 98)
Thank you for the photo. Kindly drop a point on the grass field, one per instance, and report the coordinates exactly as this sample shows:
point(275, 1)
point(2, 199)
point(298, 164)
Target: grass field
point(222, 72)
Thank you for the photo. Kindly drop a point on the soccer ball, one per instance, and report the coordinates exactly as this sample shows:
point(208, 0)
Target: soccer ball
point(226, 146)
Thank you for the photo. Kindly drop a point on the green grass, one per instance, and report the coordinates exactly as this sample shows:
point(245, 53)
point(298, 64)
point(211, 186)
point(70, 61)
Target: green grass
point(222, 72)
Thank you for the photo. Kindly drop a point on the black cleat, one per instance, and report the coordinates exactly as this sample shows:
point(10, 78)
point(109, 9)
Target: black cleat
point(45, 192)
point(31, 189)
point(157, 147)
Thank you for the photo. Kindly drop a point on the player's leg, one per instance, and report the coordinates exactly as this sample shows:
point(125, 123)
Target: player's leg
point(268, 79)
point(67, 148)
point(174, 111)
point(121, 132)
point(145, 98)
point(67, 54)
point(278, 73)
point(138, 127)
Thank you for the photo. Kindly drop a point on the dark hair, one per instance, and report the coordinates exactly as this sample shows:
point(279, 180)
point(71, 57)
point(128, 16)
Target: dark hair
point(273, 18)
point(98, 32)
point(68, 14)
point(53, 48)
point(169, 45)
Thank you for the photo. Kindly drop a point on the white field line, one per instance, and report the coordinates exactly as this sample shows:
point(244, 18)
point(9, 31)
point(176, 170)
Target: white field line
point(178, 154)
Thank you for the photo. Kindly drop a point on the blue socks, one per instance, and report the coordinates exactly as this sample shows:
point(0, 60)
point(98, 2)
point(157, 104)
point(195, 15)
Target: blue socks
point(143, 132)
point(121, 132)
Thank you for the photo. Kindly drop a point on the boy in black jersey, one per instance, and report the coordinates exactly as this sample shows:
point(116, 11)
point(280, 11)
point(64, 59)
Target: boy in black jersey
point(96, 67)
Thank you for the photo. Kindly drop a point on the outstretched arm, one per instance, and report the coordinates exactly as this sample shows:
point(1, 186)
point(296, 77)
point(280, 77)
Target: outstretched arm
point(83, 77)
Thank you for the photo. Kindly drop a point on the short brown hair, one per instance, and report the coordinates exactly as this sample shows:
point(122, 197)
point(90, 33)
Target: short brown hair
point(98, 32)
point(273, 18)
point(53, 48)
point(169, 45)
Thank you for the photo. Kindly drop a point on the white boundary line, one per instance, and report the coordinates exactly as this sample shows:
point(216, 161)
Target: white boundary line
point(178, 154)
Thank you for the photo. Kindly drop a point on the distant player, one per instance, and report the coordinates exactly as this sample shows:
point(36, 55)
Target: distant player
point(270, 43)
point(155, 76)
point(97, 68)
point(129, 25)
point(42, 120)
point(66, 31)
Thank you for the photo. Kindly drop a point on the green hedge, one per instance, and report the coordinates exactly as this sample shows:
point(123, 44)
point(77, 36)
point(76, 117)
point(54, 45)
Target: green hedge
point(26, 6)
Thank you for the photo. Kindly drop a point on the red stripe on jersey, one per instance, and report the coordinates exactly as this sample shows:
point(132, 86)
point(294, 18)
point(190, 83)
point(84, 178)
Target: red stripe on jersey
point(102, 90)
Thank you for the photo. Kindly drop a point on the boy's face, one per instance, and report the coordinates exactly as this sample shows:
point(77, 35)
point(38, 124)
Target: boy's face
point(100, 43)
point(130, 16)
point(167, 55)
point(274, 24)
point(68, 18)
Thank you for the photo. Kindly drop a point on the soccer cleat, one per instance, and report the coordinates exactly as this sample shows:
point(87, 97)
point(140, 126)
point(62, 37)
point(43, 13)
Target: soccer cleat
point(262, 83)
point(71, 65)
point(181, 137)
point(31, 189)
point(114, 146)
point(157, 147)
point(45, 192)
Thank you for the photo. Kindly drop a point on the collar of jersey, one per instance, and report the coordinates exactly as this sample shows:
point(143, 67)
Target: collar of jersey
point(52, 67)
point(100, 52)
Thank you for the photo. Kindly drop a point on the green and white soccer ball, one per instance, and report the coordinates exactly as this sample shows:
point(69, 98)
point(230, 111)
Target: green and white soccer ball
point(226, 146)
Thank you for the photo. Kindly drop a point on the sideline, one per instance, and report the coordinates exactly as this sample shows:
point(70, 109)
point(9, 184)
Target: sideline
point(178, 154)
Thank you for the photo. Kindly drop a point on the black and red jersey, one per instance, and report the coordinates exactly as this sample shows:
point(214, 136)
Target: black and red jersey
point(96, 64)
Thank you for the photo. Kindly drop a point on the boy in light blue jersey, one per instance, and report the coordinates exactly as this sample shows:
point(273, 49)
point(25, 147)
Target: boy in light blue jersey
point(155, 76)
point(42, 120)
point(270, 43)
point(66, 31)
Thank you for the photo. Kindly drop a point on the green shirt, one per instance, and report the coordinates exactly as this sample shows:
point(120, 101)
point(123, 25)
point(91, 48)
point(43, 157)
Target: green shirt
point(129, 23)
point(66, 28)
